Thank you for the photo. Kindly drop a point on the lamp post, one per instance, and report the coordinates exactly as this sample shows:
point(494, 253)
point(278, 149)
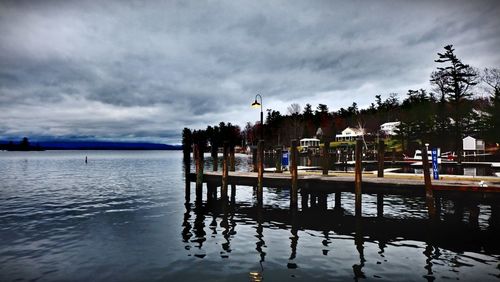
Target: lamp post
point(256, 104)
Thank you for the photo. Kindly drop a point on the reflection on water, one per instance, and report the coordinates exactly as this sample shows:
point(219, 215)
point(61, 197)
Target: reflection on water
point(125, 216)
point(463, 244)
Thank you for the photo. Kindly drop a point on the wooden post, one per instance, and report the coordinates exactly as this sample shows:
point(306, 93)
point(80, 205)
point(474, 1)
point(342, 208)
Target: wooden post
point(381, 153)
point(225, 174)
point(232, 162)
point(215, 160)
point(187, 172)
point(199, 172)
point(260, 176)
point(293, 170)
point(313, 202)
point(338, 201)
point(380, 204)
point(323, 201)
point(474, 216)
point(277, 160)
point(187, 189)
point(326, 157)
point(210, 192)
point(305, 200)
point(254, 159)
point(233, 193)
point(429, 197)
point(358, 176)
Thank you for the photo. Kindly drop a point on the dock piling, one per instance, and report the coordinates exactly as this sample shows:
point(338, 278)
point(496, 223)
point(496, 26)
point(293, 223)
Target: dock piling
point(277, 160)
point(338, 201)
point(198, 152)
point(429, 197)
point(380, 205)
point(381, 153)
point(260, 165)
point(326, 157)
point(293, 171)
point(225, 173)
point(232, 162)
point(357, 176)
point(215, 161)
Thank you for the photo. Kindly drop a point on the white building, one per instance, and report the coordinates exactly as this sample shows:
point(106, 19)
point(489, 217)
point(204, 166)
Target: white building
point(349, 134)
point(389, 128)
point(473, 145)
point(309, 142)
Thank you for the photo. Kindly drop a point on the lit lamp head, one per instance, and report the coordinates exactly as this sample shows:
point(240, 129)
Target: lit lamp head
point(255, 104)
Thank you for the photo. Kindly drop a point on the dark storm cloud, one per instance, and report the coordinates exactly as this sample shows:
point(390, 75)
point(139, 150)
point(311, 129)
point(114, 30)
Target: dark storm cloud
point(142, 70)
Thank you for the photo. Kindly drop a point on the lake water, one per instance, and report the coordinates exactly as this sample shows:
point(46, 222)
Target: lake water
point(123, 216)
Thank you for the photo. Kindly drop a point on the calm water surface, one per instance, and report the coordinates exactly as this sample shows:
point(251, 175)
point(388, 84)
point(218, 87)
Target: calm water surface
point(123, 216)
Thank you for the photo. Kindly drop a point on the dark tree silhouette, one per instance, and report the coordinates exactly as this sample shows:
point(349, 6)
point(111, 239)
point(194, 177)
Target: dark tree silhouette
point(491, 77)
point(25, 144)
point(458, 78)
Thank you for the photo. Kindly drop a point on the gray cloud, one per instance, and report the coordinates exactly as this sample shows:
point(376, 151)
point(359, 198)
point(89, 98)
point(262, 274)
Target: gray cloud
point(144, 70)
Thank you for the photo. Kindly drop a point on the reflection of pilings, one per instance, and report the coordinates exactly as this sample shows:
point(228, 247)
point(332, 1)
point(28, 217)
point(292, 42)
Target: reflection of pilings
point(293, 170)
point(186, 230)
point(428, 262)
point(437, 204)
point(294, 239)
point(233, 194)
point(380, 205)
point(494, 220)
point(358, 241)
point(358, 176)
point(458, 210)
point(199, 228)
point(260, 241)
point(226, 233)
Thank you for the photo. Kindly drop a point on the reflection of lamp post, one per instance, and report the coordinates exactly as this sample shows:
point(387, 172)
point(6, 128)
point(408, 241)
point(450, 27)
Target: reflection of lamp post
point(256, 104)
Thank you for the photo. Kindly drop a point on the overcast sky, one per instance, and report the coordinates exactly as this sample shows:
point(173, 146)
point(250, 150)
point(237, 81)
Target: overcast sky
point(127, 70)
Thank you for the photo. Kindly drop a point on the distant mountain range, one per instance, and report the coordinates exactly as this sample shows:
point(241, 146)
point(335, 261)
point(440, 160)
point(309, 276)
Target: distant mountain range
point(89, 145)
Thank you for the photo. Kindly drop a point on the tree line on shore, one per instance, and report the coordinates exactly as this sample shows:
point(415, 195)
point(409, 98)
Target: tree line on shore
point(442, 116)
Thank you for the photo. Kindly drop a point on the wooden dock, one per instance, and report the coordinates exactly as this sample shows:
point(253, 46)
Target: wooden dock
point(344, 182)
point(315, 185)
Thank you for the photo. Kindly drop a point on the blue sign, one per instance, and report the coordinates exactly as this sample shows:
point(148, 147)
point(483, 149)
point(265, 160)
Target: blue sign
point(435, 168)
point(284, 159)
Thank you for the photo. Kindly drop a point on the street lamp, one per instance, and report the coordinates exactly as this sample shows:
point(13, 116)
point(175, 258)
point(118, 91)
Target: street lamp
point(256, 104)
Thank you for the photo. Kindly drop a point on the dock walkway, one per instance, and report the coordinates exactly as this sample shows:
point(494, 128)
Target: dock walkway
point(343, 182)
